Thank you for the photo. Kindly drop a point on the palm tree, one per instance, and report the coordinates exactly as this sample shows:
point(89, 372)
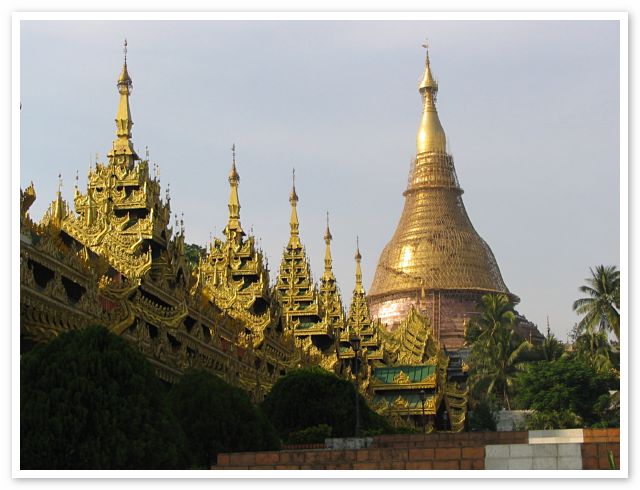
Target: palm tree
point(602, 306)
point(551, 348)
point(594, 347)
point(497, 350)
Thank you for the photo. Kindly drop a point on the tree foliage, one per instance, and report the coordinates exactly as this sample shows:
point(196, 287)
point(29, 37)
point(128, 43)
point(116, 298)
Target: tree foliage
point(568, 384)
point(497, 351)
point(217, 417)
point(90, 401)
point(193, 253)
point(312, 396)
point(601, 306)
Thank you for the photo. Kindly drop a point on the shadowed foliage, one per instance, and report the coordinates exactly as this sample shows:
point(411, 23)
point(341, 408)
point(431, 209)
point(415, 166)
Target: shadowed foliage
point(88, 400)
point(312, 396)
point(567, 385)
point(497, 351)
point(217, 417)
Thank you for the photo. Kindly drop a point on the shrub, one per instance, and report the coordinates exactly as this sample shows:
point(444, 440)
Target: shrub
point(483, 417)
point(568, 384)
point(561, 419)
point(88, 400)
point(217, 417)
point(312, 396)
point(310, 435)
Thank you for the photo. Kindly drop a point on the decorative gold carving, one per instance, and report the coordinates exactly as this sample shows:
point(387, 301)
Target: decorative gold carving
point(401, 378)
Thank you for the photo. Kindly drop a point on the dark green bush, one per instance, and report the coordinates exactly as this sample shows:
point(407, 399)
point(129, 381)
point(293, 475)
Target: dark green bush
point(217, 417)
point(88, 400)
point(568, 384)
point(551, 420)
point(483, 417)
point(312, 396)
point(310, 435)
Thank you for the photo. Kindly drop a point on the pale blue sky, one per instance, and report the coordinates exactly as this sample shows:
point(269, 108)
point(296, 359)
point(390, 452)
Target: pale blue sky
point(531, 111)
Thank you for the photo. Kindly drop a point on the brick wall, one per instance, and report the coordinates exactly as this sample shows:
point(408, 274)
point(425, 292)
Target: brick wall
point(443, 451)
point(596, 447)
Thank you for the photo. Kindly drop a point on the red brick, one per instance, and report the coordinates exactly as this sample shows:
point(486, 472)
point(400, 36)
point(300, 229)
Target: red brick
point(233, 468)
point(589, 450)
point(446, 465)
point(223, 459)
point(362, 455)
point(292, 457)
point(350, 455)
point(242, 459)
point(398, 465)
point(287, 467)
point(375, 454)
point(473, 452)
point(310, 457)
point(399, 454)
point(589, 463)
point(466, 464)
point(447, 453)
point(263, 467)
point(366, 466)
point(419, 465)
point(423, 454)
point(267, 458)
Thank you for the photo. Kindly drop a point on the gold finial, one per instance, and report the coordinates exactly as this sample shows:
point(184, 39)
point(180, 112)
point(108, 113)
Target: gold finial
point(358, 257)
point(146, 152)
point(233, 230)
point(327, 254)
point(293, 196)
point(59, 183)
point(426, 47)
point(294, 240)
point(234, 177)
point(327, 234)
point(122, 152)
point(431, 136)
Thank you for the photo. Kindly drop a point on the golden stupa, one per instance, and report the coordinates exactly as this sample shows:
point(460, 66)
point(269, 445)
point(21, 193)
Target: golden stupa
point(435, 260)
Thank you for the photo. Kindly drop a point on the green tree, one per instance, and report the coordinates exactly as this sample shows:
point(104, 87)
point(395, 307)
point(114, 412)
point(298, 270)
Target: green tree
point(567, 385)
point(88, 400)
point(497, 351)
point(601, 307)
point(217, 417)
point(312, 396)
point(193, 253)
point(551, 349)
point(594, 347)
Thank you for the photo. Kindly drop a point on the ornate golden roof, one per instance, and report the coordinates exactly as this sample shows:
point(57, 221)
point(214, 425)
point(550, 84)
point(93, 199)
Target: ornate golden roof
point(233, 275)
point(294, 289)
point(330, 299)
point(435, 245)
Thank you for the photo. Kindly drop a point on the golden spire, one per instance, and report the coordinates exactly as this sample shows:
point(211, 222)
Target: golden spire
point(294, 240)
point(122, 151)
point(328, 273)
point(431, 136)
point(233, 230)
point(359, 288)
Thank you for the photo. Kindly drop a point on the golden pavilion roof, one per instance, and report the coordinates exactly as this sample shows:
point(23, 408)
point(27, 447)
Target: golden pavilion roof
point(435, 245)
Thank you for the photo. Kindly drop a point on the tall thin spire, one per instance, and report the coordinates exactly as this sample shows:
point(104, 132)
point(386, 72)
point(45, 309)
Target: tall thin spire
point(122, 151)
point(233, 230)
point(359, 288)
point(294, 240)
point(431, 136)
point(328, 262)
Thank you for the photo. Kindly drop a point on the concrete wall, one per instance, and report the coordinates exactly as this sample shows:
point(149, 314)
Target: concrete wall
point(534, 450)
